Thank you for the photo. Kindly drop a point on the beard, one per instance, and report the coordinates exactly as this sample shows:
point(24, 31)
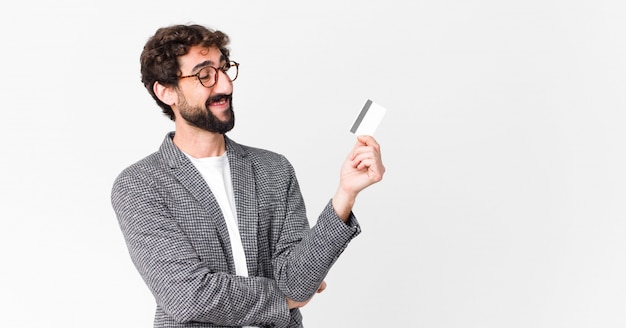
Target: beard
point(202, 118)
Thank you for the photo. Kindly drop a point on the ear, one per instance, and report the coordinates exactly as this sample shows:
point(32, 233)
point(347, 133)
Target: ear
point(164, 93)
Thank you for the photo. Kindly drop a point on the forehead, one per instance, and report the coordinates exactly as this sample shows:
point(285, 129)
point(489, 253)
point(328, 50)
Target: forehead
point(198, 57)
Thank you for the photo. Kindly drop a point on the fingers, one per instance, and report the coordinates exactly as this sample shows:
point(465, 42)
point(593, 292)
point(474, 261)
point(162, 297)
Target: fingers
point(322, 287)
point(368, 141)
point(291, 304)
point(365, 144)
point(366, 153)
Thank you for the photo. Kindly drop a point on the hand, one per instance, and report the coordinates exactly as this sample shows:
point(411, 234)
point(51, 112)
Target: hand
point(291, 304)
point(362, 168)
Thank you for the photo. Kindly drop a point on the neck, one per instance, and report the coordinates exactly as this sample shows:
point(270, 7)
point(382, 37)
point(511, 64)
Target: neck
point(198, 143)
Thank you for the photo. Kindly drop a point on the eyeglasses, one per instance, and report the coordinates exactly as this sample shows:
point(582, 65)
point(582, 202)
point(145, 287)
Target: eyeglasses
point(208, 75)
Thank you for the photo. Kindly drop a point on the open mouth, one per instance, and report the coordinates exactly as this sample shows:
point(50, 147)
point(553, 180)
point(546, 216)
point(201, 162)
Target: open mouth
point(219, 100)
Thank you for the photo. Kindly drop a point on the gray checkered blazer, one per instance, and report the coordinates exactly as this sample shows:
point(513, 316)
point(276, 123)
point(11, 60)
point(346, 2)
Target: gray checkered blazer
point(178, 240)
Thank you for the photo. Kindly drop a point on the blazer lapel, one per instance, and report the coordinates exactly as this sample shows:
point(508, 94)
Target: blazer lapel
point(188, 176)
point(244, 187)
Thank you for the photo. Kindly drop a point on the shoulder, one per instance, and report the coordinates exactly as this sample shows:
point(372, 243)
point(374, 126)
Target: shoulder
point(143, 172)
point(258, 156)
point(265, 164)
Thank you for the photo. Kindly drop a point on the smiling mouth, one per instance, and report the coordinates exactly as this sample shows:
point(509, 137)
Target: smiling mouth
point(219, 100)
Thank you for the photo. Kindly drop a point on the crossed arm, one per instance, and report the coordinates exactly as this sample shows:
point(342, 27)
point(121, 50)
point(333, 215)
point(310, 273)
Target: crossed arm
point(188, 288)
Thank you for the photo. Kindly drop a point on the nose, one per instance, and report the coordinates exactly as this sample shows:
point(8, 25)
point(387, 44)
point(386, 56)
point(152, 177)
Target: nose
point(223, 84)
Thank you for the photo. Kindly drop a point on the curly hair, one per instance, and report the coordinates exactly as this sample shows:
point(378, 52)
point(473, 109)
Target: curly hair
point(159, 58)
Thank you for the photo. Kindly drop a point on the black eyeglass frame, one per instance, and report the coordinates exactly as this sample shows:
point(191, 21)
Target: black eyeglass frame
point(224, 69)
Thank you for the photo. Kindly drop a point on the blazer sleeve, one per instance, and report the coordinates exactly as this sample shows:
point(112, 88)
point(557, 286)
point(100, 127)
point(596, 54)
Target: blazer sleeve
point(181, 283)
point(304, 256)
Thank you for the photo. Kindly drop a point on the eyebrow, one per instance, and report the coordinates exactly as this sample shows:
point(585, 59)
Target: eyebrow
point(207, 63)
point(201, 65)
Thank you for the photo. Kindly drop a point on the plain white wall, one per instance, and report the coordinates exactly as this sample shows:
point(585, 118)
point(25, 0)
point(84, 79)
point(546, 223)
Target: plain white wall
point(504, 200)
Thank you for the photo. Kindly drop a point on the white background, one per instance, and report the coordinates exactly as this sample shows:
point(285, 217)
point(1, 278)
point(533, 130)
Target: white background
point(505, 194)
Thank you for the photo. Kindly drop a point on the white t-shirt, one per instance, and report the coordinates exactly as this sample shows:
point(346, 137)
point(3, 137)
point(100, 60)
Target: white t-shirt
point(216, 173)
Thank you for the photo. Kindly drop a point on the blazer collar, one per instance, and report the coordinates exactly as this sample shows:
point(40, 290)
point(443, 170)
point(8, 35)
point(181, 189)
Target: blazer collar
point(174, 157)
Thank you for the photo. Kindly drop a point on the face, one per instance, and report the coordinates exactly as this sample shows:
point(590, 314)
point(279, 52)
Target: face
point(211, 108)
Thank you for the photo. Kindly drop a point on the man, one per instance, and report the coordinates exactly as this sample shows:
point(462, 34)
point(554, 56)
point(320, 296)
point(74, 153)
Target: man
point(218, 230)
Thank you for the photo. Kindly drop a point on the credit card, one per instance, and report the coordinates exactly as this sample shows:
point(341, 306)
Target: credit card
point(368, 119)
